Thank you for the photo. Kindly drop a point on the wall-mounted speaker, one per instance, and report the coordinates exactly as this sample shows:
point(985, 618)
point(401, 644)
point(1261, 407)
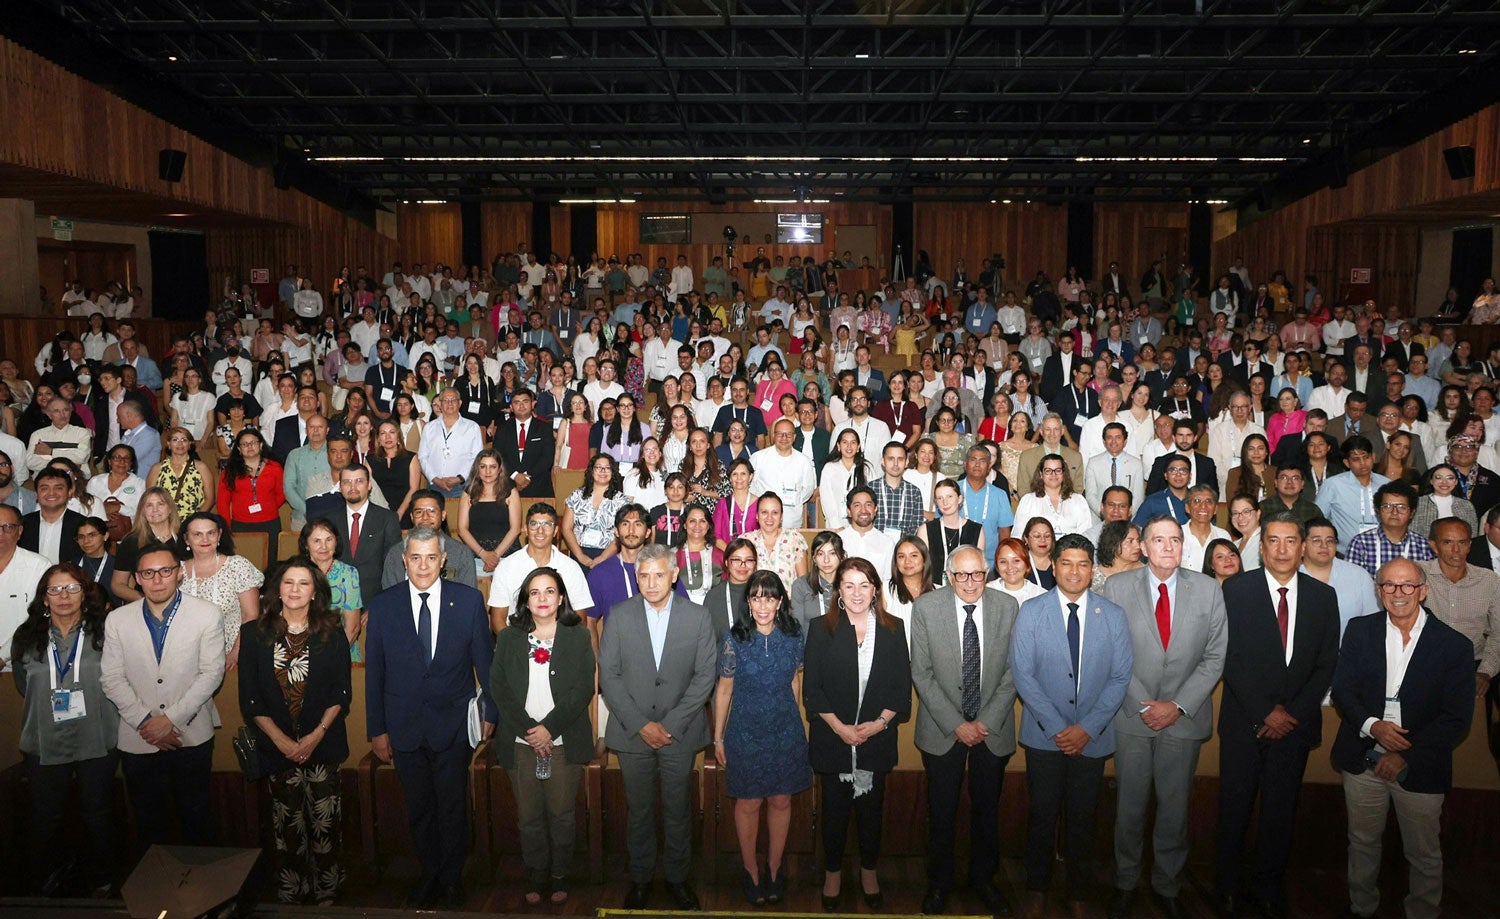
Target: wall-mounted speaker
point(169, 165)
point(282, 173)
point(1460, 161)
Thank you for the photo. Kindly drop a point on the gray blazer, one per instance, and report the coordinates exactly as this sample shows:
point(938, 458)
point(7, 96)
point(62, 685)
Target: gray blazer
point(181, 686)
point(674, 694)
point(1187, 672)
point(937, 671)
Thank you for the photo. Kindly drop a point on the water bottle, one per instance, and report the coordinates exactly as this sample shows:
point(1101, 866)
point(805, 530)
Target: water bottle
point(544, 767)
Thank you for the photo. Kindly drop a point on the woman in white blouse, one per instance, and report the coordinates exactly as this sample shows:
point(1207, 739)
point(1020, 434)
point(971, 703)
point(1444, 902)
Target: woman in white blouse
point(193, 408)
point(845, 469)
point(1013, 567)
point(587, 344)
point(1052, 497)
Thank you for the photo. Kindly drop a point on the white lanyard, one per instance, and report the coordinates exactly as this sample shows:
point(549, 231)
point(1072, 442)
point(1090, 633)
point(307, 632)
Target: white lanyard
point(984, 512)
point(625, 575)
point(898, 412)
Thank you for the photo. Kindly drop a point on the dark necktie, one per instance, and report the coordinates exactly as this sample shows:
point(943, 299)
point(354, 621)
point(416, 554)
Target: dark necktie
point(1075, 638)
point(1114, 470)
point(1163, 615)
point(424, 629)
point(971, 664)
point(1283, 617)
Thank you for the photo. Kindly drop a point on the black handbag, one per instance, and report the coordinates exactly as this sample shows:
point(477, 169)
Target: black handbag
point(247, 750)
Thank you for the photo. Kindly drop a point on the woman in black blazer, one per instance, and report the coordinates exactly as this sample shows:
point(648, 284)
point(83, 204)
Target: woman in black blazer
point(852, 741)
point(542, 682)
point(294, 694)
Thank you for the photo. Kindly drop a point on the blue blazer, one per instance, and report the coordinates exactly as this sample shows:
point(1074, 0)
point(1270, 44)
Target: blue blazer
point(426, 705)
point(1043, 671)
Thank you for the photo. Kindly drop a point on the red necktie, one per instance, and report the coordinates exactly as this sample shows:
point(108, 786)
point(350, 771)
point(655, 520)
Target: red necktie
point(1163, 615)
point(354, 539)
point(521, 437)
point(1283, 617)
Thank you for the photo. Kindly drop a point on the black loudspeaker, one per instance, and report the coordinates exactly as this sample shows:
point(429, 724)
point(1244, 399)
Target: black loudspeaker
point(189, 881)
point(1460, 162)
point(1081, 233)
point(169, 164)
point(1200, 238)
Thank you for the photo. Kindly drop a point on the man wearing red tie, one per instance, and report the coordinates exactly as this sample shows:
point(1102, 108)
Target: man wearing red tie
point(525, 442)
point(1283, 645)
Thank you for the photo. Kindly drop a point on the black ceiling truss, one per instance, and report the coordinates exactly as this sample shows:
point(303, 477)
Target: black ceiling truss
point(934, 99)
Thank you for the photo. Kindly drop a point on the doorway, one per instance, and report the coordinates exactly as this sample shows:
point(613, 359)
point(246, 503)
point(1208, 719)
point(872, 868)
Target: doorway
point(95, 264)
point(1472, 260)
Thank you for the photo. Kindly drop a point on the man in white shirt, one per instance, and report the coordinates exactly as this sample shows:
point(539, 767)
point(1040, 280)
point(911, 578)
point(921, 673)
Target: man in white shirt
point(1091, 437)
point(1330, 396)
point(421, 284)
point(682, 279)
point(537, 552)
point(449, 446)
point(366, 333)
point(603, 388)
point(860, 536)
point(659, 355)
point(781, 470)
point(428, 345)
point(873, 433)
point(1225, 440)
point(239, 362)
point(20, 571)
point(1337, 330)
point(59, 439)
point(776, 309)
point(1012, 319)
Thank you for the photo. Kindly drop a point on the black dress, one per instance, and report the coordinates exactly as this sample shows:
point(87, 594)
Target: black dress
point(941, 541)
point(393, 478)
point(489, 521)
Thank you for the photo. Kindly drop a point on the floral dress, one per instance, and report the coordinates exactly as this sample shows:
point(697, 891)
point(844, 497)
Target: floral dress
point(223, 588)
point(187, 489)
point(782, 558)
point(345, 596)
point(308, 848)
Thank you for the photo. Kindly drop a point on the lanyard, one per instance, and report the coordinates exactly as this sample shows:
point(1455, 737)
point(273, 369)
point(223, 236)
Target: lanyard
point(984, 512)
point(380, 374)
point(159, 638)
point(744, 518)
point(672, 523)
point(898, 412)
point(60, 670)
point(625, 576)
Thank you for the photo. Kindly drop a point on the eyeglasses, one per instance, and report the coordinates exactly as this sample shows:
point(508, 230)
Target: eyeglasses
point(1404, 590)
point(55, 590)
point(740, 560)
point(9, 527)
point(1242, 512)
point(540, 524)
point(1388, 506)
point(967, 576)
point(153, 574)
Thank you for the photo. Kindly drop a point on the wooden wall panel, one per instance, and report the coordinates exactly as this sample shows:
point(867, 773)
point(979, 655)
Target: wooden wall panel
point(319, 252)
point(619, 230)
point(1135, 234)
point(503, 224)
point(1031, 237)
point(561, 216)
point(430, 233)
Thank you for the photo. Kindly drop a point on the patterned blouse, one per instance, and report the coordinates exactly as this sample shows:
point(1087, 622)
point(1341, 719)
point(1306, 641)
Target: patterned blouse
point(223, 588)
point(594, 527)
point(289, 660)
point(186, 489)
point(345, 596)
point(782, 558)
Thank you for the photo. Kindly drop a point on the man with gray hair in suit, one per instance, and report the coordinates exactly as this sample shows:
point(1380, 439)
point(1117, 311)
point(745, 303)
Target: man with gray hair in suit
point(658, 720)
point(960, 666)
point(1178, 634)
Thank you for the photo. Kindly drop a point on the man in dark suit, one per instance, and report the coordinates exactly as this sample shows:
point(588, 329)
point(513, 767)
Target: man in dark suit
point(368, 530)
point(291, 431)
point(1114, 281)
point(1201, 469)
point(1283, 644)
point(1484, 551)
point(1057, 372)
point(1397, 732)
point(525, 443)
point(1481, 486)
point(658, 721)
point(1404, 348)
point(1249, 366)
point(1076, 403)
point(966, 721)
point(427, 644)
point(59, 542)
point(871, 378)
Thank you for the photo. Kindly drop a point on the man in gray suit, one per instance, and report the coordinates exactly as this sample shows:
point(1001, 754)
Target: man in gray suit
point(1177, 636)
point(1114, 467)
point(658, 720)
point(960, 666)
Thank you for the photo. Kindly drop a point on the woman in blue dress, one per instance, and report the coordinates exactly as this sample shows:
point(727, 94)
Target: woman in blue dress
point(758, 736)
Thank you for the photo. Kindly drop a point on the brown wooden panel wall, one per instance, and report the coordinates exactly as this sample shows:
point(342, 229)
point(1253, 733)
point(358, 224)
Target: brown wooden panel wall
point(562, 232)
point(1029, 236)
point(503, 224)
point(319, 252)
point(1135, 234)
point(430, 233)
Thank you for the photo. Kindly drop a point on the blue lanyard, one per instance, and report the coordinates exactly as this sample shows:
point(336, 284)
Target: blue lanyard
point(159, 637)
point(64, 669)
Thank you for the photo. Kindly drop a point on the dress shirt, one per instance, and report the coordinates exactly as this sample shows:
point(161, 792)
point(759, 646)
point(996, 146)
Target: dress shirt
point(873, 545)
point(1171, 583)
point(514, 568)
point(873, 434)
point(958, 607)
point(657, 623)
point(434, 603)
point(1398, 653)
point(898, 508)
point(1472, 606)
point(1083, 624)
point(793, 478)
point(449, 451)
point(49, 537)
point(364, 518)
point(989, 507)
point(1328, 399)
point(1356, 590)
point(1291, 606)
point(69, 441)
point(1350, 505)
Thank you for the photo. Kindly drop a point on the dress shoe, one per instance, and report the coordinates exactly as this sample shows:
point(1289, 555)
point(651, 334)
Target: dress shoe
point(831, 903)
point(995, 902)
point(754, 890)
point(423, 895)
point(453, 897)
point(1120, 904)
point(638, 895)
point(684, 897)
point(773, 883)
point(873, 899)
point(1034, 905)
point(1170, 907)
point(935, 903)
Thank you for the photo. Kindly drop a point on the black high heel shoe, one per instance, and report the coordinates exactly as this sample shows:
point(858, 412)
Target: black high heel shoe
point(754, 892)
point(774, 886)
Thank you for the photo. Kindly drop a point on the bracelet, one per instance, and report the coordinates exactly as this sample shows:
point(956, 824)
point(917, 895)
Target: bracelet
point(883, 723)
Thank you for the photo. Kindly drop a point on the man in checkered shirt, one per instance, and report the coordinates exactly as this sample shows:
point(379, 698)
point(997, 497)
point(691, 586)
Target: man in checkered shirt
point(1394, 503)
point(898, 503)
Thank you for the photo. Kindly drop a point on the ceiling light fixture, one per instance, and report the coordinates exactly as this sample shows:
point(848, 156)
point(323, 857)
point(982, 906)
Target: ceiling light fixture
point(596, 201)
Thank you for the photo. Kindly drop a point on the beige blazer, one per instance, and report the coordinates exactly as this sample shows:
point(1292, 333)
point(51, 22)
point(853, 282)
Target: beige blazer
point(181, 687)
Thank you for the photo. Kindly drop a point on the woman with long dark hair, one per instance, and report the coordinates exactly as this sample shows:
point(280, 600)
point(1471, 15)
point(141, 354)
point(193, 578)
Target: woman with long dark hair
point(250, 489)
point(845, 470)
point(810, 593)
point(211, 571)
point(856, 687)
point(758, 734)
point(542, 681)
point(489, 512)
point(182, 474)
point(294, 694)
point(588, 518)
point(68, 727)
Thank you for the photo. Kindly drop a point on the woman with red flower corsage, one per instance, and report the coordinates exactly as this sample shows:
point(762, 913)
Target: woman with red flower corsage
point(542, 682)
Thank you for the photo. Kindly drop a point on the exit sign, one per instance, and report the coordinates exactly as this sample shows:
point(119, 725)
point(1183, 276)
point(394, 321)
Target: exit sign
point(62, 230)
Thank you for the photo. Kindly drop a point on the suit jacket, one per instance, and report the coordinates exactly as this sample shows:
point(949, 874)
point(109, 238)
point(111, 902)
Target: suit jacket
point(570, 672)
point(1114, 283)
point(1129, 473)
point(426, 705)
point(1341, 428)
point(1257, 677)
point(1437, 699)
point(1486, 491)
point(1031, 460)
point(1417, 456)
point(286, 438)
point(1403, 352)
point(327, 684)
point(876, 384)
point(1244, 370)
point(379, 529)
point(180, 686)
point(830, 683)
point(1053, 377)
point(986, 395)
point(536, 460)
point(673, 694)
point(1204, 468)
point(1075, 407)
point(67, 547)
point(1053, 697)
point(937, 670)
point(1479, 553)
point(1187, 670)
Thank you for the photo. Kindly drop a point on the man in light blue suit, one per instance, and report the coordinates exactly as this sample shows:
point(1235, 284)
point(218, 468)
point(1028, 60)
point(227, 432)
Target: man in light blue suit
point(1071, 659)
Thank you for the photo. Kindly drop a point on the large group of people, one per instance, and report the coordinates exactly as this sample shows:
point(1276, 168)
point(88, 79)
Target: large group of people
point(691, 506)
